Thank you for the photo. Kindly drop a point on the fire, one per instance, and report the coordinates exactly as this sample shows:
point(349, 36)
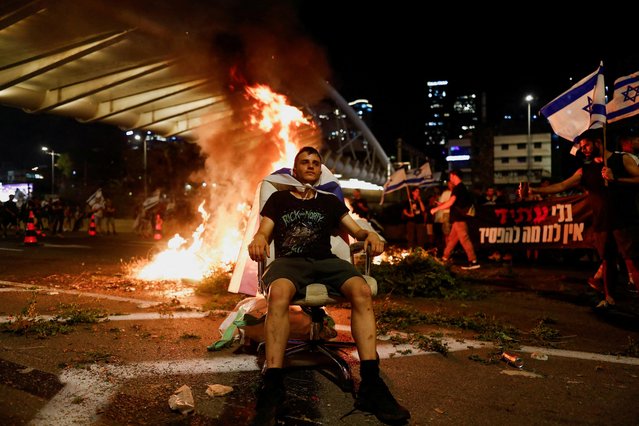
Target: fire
point(216, 242)
point(272, 112)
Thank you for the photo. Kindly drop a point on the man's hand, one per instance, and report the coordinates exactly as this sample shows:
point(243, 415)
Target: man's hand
point(259, 249)
point(606, 173)
point(375, 243)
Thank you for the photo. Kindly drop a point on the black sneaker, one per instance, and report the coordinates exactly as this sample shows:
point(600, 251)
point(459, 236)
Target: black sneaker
point(375, 398)
point(269, 404)
point(471, 265)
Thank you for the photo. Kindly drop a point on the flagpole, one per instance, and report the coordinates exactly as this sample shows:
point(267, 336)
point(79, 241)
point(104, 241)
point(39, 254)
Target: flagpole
point(410, 202)
point(604, 146)
point(605, 158)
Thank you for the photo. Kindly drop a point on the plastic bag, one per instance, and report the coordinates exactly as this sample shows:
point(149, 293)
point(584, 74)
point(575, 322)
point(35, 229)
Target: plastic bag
point(246, 321)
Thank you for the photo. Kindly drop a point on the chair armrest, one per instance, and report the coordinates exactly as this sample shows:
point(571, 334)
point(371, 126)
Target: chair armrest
point(358, 247)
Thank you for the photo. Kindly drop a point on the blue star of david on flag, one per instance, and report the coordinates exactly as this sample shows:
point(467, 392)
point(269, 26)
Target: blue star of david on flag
point(629, 90)
point(625, 101)
point(580, 108)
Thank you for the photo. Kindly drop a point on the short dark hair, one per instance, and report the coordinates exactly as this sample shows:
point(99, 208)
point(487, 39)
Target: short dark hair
point(591, 135)
point(307, 150)
point(456, 172)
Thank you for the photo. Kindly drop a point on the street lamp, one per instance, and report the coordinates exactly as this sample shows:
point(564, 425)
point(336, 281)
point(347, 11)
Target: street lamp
point(529, 99)
point(53, 154)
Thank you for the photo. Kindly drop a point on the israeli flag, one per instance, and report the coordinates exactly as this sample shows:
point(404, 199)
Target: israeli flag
point(580, 108)
point(420, 175)
point(396, 181)
point(625, 102)
point(96, 197)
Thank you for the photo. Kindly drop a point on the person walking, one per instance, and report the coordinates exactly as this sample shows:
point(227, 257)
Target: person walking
point(459, 203)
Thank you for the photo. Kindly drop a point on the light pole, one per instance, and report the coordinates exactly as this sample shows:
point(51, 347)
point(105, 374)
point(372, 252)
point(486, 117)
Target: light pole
point(53, 154)
point(529, 99)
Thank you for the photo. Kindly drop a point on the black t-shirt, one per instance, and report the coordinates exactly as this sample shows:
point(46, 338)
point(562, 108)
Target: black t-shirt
point(360, 207)
point(303, 227)
point(463, 201)
point(613, 206)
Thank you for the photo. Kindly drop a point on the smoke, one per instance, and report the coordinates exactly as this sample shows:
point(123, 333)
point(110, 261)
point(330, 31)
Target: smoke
point(232, 44)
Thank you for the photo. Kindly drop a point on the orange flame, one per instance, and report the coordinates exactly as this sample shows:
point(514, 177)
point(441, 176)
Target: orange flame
point(216, 242)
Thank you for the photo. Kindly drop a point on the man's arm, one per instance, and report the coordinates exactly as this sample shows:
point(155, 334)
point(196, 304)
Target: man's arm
point(371, 239)
point(571, 182)
point(260, 247)
point(631, 167)
point(445, 205)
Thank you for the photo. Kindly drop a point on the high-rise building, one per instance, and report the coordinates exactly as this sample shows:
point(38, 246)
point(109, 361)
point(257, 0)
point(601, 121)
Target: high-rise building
point(464, 117)
point(437, 113)
point(364, 109)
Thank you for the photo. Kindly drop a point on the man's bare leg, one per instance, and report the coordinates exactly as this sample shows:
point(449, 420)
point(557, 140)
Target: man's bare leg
point(363, 325)
point(277, 325)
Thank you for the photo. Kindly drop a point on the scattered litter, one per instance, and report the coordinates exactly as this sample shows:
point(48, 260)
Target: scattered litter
point(26, 370)
point(439, 411)
point(539, 356)
point(218, 390)
point(521, 373)
point(384, 337)
point(182, 400)
point(575, 382)
point(512, 359)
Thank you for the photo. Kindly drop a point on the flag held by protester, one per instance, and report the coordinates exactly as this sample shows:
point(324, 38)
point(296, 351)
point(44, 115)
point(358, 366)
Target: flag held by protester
point(625, 101)
point(420, 175)
point(96, 197)
point(396, 181)
point(580, 108)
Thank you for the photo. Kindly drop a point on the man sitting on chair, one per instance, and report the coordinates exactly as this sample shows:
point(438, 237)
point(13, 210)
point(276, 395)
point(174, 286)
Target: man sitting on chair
point(301, 223)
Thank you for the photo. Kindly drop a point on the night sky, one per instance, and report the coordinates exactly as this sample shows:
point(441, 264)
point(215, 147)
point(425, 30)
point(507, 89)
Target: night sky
point(387, 52)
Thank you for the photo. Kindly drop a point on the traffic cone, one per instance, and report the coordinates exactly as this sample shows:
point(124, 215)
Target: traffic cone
point(92, 232)
point(157, 234)
point(30, 236)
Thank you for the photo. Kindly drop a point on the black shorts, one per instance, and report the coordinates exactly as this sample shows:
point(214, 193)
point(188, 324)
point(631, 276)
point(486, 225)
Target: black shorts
point(302, 271)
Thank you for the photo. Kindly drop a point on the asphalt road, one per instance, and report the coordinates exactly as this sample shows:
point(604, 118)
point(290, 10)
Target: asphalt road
point(123, 370)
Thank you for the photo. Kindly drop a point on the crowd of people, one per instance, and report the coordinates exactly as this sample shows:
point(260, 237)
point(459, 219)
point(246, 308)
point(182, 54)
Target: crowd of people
point(437, 218)
point(55, 216)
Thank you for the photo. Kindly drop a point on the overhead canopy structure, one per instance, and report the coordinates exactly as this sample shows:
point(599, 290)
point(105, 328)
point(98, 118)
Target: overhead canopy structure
point(151, 66)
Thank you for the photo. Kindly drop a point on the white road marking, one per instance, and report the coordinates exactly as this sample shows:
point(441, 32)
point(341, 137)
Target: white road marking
point(10, 249)
point(88, 391)
point(95, 386)
point(140, 302)
point(141, 316)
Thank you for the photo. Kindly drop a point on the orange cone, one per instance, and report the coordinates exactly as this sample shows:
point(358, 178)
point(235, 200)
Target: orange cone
point(30, 236)
point(157, 234)
point(92, 232)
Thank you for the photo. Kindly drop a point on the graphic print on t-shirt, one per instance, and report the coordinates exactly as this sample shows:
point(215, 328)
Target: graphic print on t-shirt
point(303, 228)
